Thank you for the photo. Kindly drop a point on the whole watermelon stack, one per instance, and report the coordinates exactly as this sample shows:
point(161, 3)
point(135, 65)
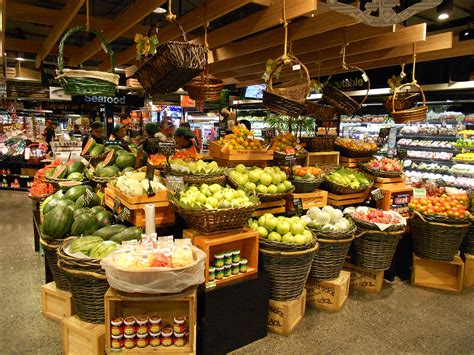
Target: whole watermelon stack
point(116, 163)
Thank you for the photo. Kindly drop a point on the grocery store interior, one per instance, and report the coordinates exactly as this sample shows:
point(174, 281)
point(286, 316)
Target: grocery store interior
point(251, 176)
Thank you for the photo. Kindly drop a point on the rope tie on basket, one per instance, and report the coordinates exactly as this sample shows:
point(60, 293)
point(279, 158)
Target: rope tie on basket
point(170, 17)
point(87, 15)
point(286, 60)
point(414, 65)
point(343, 49)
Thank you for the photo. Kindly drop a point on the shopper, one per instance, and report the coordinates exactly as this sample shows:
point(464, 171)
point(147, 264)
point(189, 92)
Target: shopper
point(49, 133)
point(97, 132)
point(185, 125)
point(75, 131)
point(246, 123)
point(184, 138)
point(118, 136)
point(150, 130)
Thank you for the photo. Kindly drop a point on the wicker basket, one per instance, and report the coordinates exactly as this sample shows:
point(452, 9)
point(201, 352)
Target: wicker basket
point(274, 197)
point(39, 198)
point(174, 64)
point(320, 111)
point(205, 87)
point(404, 101)
point(374, 249)
point(437, 241)
point(199, 179)
point(84, 82)
point(215, 221)
point(302, 187)
point(339, 99)
point(279, 159)
point(280, 246)
point(380, 173)
point(319, 143)
point(343, 190)
point(88, 284)
point(280, 104)
point(50, 247)
point(354, 153)
point(410, 115)
point(364, 225)
point(288, 271)
point(468, 243)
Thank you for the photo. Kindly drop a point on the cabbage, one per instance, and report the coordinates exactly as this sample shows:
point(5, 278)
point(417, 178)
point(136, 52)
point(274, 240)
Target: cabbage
point(328, 209)
point(328, 228)
point(336, 215)
point(322, 218)
point(312, 212)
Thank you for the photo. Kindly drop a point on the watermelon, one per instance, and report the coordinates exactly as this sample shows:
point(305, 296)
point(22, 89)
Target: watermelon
point(88, 147)
point(76, 176)
point(121, 151)
point(95, 201)
point(58, 222)
point(75, 192)
point(75, 167)
point(97, 209)
point(97, 150)
point(108, 232)
point(113, 147)
point(110, 158)
point(129, 169)
point(63, 202)
point(109, 171)
point(130, 233)
point(125, 160)
point(85, 224)
point(49, 172)
point(60, 171)
point(105, 218)
point(79, 211)
point(58, 194)
point(99, 167)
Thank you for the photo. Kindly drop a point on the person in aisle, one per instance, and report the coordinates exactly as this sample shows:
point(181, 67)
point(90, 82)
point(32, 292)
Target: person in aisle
point(150, 130)
point(246, 123)
point(49, 133)
point(118, 135)
point(185, 125)
point(184, 139)
point(97, 132)
point(75, 131)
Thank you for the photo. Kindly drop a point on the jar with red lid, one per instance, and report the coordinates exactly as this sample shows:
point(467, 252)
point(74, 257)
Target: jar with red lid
point(117, 321)
point(142, 329)
point(154, 328)
point(167, 337)
point(129, 343)
point(117, 343)
point(116, 330)
point(129, 330)
point(179, 339)
point(129, 321)
point(142, 342)
point(155, 320)
point(142, 320)
point(179, 324)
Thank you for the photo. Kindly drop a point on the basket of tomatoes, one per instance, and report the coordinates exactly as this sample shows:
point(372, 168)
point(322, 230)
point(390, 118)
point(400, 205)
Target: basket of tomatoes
point(306, 179)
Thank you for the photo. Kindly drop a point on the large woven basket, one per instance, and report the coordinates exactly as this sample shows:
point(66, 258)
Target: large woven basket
point(403, 101)
point(380, 173)
point(320, 111)
point(274, 197)
point(199, 179)
point(374, 250)
point(280, 104)
point(409, 115)
point(343, 190)
point(88, 284)
point(468, 243)
point(279, 159)
point(215, 221)
point(280, 246)
point(205, 87)
point(174, 64)
point(437, 241)
point(354, 153)
point(306, 186)
point(50, 246)
point(319, 143)
point(289, 271)
point(39, 198)
point(85, 82)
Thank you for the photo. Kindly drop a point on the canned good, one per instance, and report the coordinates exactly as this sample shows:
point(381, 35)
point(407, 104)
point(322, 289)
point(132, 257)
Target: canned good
point(212, 273)
point(167, 337)
point(243, 265)
point(142, 329)
point(227, 270)
point(117, 343)
point(235, 268)
point(129, 343)
point(236, 256)
point(155, 341)
point(228, 258)
point(219, 273)
point(179, 339)
point(116, 330)
point(142, 342)
point(129, 330)
point(219, 260)
point(154, 328)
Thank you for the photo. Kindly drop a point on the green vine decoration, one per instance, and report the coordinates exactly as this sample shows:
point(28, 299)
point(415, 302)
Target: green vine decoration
point(270, 65)
point(146, 45)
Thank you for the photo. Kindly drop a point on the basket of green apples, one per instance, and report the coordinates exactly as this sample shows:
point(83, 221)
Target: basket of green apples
point(197, 173)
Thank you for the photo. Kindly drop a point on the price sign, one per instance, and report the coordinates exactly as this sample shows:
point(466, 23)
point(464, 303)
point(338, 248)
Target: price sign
point(377, 194)
point(268, 133)
point(166, 148)
point(88, 197)
point(175, 183)
point(298, 206)
point(117, 204)
point(419, 193)
point(125, 214)
point(150, 174)
point(392, 140)
point(138, 159)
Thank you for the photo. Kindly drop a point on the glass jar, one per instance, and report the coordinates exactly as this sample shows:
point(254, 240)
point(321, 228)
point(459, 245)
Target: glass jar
point(227, 270)
point(228, 258)
point(235, 268)
point(243, 265)
point(236, 256)
point(219, 273)
point(219, 260)
point(212, 273)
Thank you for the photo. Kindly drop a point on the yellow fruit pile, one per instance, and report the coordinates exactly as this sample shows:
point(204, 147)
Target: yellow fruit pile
point(240, 139)
point(467, 157)
point(355, 144)
point(282, 142)
point(467, 132)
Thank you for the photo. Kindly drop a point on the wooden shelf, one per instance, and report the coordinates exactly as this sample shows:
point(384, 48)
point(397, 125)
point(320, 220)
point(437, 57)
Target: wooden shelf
point(348, 199)
point(272, 207)
point(318, 198)
point(322, 158)
point(250, 271)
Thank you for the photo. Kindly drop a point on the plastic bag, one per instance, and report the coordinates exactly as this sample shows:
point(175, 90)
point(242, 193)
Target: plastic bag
point(156, 280)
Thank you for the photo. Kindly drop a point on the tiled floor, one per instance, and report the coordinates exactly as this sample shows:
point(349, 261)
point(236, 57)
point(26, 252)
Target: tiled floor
point(401, 319)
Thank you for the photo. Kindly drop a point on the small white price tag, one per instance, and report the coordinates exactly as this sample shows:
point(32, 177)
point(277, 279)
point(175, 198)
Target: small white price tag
point(104, 48)
point(296, 67)
point(365, 77)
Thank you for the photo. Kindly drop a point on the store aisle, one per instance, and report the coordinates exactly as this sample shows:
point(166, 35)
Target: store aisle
point(401, 319)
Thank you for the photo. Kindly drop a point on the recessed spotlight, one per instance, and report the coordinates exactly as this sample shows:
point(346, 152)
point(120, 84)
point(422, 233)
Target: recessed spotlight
point(443, 16)
point(159, 10)
point(19, 59)
point(445, 10)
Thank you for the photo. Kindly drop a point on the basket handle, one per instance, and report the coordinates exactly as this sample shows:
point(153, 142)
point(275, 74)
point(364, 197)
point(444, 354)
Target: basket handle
point(281, 63)
point(108, 49)
point(364, 74)
point(180, 28)
point(398, 89)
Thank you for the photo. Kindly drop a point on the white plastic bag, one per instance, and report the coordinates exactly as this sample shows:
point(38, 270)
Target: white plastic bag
point(155, 280)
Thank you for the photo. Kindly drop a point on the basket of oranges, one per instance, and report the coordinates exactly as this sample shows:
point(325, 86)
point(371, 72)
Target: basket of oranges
point(306, 179)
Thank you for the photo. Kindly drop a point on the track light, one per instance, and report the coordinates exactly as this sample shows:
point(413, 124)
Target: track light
point(445, 10)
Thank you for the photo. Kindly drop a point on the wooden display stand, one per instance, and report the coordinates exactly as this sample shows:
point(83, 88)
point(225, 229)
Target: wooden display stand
point(386, 203)
point(352, 162)
point(441, 275)
point(167, 307)
point(468, 270)
point(329, 295)
point(80, 337)
point(245, 241)
point(56, 304)
point(216, 152)
point(234, 163)
point(318, 198)
point(272, 207)
point(164, 214)
point(284, 316)
point(322, 158)
point(364, 279)
point(389, 183)
point(348, 199)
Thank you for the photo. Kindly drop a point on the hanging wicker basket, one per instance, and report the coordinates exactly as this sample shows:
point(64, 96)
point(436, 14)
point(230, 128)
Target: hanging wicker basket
point(410, 115)
point(339, 99)
point(404, 101)
point(320, 111)
point(174, 64)
point(87, 82)
point(319, 143)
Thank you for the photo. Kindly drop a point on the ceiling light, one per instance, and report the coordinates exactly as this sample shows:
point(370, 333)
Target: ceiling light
point(159, 10)
point(20, 59)
point(443, 16)
point(120, 70)
point(445, 10)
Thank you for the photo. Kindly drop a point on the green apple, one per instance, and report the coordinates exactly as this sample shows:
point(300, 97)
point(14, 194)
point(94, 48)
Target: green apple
point(281, 218)
point(254, 175)
point(268, 169)
point(214, 188)
point(283, 228)
point(281, 187)
point(261, 221)
point(271, 223)
point(265, 179)
point(212, 201)
point(250, 186)
point(276, 168)
point(288, 184)
point(295, 219)
point(300, 239)
point(262, 189)
point(193, 189)
point(288, 238)
point(201, 198)
point(219, 195)
point(272, 189)
point(282, 176)
point(274, 237)
point(224, 204)
point(242, 179)
point(241, 169)
point(276, 178)
point(229, 195)
point(308, 235)
point(262, 232)
point(254, 226)
point(204, 187)
point(296, 228)
point(241, 193)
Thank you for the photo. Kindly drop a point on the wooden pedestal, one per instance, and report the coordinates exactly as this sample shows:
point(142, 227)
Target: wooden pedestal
point(352, 162)
point(441, 275)
point(395, 182)
point(318, 198)
point(348, 199)
point(80, 337)
point(468, 271)
point(322, 158)
point(284, 316)
point(364, 279)
point(272, 207)
point(329, 295)
point(56, 304)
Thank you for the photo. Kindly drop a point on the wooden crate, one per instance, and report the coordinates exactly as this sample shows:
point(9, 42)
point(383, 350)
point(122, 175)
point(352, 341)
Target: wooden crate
point(348, 199)
point(441, 275)
point(164, 214)
point(395, 182)
point(322, 158)
point(330, 295)
point(272, 207)
point(468, 279)
point(389, 192)
point(159, 197)
point(80, 337)
point(134, 83)
point(284, 316)
point(234, 163)
point(56, 304)
point(318, 198)
point(245, 241)
point(352, 162)
point(364, 279)
point(215, 151)
point(167, 307)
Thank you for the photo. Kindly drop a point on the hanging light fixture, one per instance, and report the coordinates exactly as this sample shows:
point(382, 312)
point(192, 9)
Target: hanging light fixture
point(445, 10)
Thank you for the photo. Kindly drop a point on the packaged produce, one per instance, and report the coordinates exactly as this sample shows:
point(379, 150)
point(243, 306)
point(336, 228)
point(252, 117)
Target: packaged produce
point(270, 180)
point(116, 330)
point(136, 184)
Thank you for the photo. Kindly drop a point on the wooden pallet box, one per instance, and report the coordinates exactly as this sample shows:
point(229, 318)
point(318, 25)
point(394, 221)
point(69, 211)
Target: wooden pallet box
point(352, 162)
point(389, 193)
point(245, 241)
point(56, 304)
point(119, 304)
point(468, 270)
point(364, 279)
point(318, 198)
point(216, 151)
point(329, 295)
point(441, 275)
point(322, 158)
point(395, 182)
point(347, 199)
point(79, 337)
point(272, 207)
point(284, 316)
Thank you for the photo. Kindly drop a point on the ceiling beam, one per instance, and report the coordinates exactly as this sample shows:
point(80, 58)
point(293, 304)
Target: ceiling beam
point(71, 7)
point(3, 18)
point(130, 17)
point(48, 17)
point(197, 17)
point(265, 2)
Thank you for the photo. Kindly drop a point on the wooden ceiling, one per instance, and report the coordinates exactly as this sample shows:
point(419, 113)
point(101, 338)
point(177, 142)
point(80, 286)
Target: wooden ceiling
point(243, 34)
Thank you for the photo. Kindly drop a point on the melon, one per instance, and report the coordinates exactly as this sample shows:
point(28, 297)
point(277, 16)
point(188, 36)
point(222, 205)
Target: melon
point(60, 171)
point(110, 158)
point(75, 167)
point(89, 146)
point(97, 150)
point(125, 160)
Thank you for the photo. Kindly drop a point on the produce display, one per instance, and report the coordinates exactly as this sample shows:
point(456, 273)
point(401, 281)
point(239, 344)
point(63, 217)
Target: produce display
point(282, 229)
point(157, 160)
point(327, 219)
point(91, 246)
point(465, 157)
point(270, 180)
point(385, 165)
point(93, 149)
point(211, 197)
point(425, 143)
point(307, 172)
point(464, 143)
point(349, 178)
point(240, 139)
point(430, 155)
point(194, 168)
point(117, 162)
point(373, 215)
point(135, 183)
point(356, 145)
point(466, 132)
point(430, 167)
point(429, 130)
point(451, 206)
point(415, 178)
point(287, 143)
point(40, 188)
